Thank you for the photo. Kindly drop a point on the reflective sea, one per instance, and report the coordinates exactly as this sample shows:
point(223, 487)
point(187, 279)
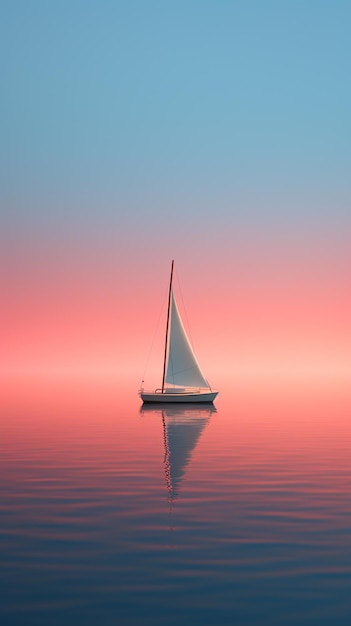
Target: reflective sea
point(237, 513)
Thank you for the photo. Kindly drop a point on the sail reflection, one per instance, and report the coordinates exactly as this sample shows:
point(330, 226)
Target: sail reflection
point(182, 428)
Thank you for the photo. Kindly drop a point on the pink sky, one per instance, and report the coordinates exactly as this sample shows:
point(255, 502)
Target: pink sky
point(263, 304)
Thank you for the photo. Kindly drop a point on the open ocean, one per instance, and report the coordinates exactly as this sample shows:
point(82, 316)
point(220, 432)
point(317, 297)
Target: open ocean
point(112, 514)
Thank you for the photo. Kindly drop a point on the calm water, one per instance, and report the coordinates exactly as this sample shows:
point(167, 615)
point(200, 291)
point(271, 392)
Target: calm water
point(239, 514)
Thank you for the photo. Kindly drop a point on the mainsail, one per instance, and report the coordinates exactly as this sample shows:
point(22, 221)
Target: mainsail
point(182, 367)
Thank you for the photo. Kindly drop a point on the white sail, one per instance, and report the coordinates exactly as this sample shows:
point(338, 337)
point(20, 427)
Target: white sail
point(182, 366)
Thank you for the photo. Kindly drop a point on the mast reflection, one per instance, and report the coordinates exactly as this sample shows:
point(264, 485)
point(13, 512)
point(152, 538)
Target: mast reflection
point(182, 428)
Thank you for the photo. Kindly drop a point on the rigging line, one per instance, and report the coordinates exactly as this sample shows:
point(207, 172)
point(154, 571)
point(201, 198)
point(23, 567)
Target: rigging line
point(155, 333)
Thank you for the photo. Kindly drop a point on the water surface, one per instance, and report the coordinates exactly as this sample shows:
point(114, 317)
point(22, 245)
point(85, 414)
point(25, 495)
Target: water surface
point(234, 514)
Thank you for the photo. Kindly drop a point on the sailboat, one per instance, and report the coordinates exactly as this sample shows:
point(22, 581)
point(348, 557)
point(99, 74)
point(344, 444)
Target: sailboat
point(182, 379)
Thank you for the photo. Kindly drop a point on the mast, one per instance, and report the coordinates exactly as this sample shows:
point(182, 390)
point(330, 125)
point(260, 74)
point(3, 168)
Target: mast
point(167, 326)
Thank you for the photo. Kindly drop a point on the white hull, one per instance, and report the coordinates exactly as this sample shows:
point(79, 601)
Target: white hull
point(199, 396)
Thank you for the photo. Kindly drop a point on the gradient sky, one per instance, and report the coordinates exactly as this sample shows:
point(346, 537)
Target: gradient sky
point(215, 133)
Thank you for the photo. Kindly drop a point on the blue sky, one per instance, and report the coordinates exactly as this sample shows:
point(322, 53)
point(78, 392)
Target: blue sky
point(142, 108)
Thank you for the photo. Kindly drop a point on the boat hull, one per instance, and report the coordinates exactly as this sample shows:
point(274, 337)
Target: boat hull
point(187, 397)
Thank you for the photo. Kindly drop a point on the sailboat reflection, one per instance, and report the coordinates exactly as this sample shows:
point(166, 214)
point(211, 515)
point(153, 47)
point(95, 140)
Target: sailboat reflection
point(182, 428)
